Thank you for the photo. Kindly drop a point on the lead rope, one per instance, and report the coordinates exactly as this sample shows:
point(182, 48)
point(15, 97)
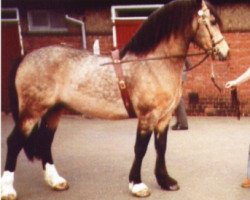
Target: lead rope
point(213, 77)
point(235, 103)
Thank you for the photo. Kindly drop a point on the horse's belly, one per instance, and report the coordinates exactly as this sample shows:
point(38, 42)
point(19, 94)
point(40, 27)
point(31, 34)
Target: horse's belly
point(97, 107)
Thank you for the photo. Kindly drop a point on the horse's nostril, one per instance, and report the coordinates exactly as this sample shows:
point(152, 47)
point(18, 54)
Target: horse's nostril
point(227, 54)
point(223, 57)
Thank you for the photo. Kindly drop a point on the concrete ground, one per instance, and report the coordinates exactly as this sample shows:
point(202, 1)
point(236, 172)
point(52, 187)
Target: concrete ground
point(209, 160)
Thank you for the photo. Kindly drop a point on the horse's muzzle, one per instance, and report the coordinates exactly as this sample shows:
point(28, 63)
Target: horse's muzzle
point(221, 51)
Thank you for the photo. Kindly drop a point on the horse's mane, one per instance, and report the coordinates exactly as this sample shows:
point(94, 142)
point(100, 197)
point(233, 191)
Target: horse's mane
point(172, 18)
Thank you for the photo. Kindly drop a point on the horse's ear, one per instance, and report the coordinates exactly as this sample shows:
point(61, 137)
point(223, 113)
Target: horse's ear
point(203, 5)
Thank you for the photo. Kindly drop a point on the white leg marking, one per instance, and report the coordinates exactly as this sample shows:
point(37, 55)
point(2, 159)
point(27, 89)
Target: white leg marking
point(139, 190)
point(7, 190)
point(53, 179)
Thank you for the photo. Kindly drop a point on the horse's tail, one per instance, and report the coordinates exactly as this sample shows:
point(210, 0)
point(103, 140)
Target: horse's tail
point(31, 142)
point(14, 105)
point(12, 90)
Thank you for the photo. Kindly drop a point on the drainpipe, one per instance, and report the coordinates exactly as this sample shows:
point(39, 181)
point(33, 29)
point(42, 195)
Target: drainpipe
point(81, 23)
point(20, 32)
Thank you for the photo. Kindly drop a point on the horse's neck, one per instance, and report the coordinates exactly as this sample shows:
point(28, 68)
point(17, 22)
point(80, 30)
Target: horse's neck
point(173, 47)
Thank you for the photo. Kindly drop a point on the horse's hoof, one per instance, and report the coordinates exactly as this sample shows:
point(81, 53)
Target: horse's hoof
point(173, 187)
point(57, 183)
point(9, 197)
point(167, 183)
point(139, 190)
point(61, 186)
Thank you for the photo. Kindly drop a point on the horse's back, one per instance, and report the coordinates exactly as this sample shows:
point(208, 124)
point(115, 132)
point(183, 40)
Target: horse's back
point(49, 59)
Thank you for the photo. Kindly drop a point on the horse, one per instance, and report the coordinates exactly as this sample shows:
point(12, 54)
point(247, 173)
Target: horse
point(52, 78)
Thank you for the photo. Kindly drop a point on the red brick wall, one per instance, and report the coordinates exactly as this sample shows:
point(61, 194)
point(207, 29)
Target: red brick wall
point(32, 42)
point(211, 102)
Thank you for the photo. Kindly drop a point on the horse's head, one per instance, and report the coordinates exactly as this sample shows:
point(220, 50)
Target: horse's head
point(207, 34)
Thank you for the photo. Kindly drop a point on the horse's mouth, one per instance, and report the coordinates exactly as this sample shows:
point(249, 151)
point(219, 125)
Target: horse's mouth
point(217, 55)
point(221, 52)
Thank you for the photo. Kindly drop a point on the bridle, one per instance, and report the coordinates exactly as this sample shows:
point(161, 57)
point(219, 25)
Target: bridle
point(203, 19)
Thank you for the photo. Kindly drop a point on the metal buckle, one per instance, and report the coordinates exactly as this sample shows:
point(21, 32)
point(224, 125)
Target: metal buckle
point(201, 13)
point(122, 84)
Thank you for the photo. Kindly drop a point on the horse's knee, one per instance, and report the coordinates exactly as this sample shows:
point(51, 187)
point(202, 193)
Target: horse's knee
point(162, 125)
point(141, 146)
point(147, 121)
point(142, 140)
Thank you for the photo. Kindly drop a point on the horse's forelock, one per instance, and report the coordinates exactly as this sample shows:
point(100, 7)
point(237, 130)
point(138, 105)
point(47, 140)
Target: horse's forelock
point(171, 19)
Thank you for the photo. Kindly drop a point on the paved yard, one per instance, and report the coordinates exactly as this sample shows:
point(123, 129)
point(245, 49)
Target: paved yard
point(209, 160)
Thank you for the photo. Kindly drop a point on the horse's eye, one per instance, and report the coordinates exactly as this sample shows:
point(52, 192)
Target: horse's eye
point(213, 22)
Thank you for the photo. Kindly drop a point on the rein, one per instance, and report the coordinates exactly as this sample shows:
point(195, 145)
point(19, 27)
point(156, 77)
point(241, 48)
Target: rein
point(205, 53)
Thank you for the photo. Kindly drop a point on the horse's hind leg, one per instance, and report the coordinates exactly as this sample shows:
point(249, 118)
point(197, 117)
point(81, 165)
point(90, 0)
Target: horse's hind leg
point(163, 179)
point(46, 133)
point(136, 186)
point(15, 142)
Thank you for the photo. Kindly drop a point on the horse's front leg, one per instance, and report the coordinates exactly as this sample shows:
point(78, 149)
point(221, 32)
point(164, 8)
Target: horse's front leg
point(162, 176)
point(136, 186)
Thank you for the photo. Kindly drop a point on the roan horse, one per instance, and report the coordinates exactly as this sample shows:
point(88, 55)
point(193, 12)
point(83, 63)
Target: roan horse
point(54, 77)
